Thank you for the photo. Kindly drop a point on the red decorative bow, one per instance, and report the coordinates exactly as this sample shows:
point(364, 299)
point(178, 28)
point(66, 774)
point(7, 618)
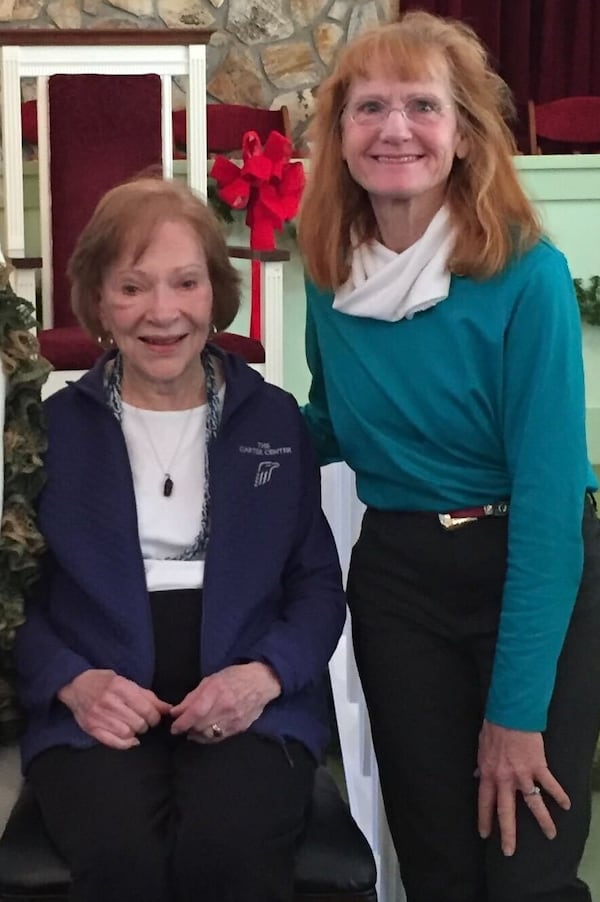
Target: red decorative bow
point(269, 187)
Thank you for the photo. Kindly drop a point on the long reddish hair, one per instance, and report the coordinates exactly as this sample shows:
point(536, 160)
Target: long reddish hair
point(491, 213)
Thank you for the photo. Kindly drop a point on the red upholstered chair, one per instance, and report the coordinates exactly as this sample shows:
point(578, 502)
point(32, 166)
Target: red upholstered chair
point(226, 124)
point(47, 55)
point(103, 130)
point(567, 125)
point(95, 126)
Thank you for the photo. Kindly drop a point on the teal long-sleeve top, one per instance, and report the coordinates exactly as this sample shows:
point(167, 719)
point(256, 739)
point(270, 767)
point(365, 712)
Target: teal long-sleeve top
point(476, 400)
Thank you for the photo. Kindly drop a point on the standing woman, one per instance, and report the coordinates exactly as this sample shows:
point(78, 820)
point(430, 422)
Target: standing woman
point(444, 342)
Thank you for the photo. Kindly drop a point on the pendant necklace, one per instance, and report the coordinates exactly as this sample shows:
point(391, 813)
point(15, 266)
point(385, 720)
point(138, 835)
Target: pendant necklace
point(112, 377)
point(167, 485)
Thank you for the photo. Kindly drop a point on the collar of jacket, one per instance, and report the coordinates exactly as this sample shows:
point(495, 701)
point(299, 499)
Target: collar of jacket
point(87, 509)
point(241, 380)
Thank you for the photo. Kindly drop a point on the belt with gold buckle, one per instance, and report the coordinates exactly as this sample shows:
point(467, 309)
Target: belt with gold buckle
point(455, 519)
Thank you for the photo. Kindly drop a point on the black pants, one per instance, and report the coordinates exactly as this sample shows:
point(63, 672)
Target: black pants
point(425, 607)
point(171, 820)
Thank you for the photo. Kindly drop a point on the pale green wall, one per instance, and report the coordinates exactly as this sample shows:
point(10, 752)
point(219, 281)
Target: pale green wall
point(566, 190)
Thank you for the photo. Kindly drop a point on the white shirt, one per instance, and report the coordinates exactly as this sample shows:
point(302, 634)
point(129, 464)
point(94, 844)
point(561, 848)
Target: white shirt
point(161, 442)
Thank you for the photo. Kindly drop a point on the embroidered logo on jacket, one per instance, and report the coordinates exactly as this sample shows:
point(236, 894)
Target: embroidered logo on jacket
point(264, 472)
point(264, 449)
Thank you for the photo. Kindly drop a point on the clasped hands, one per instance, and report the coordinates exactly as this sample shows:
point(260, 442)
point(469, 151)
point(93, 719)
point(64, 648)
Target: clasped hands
point(511, 762)
point(115, 710)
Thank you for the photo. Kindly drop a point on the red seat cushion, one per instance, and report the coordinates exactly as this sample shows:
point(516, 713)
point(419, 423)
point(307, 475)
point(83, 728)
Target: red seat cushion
point(249, 349)
point(71, 348)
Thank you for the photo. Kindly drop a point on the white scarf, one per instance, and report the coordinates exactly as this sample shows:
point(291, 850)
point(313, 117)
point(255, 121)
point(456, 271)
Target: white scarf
point(389, 286)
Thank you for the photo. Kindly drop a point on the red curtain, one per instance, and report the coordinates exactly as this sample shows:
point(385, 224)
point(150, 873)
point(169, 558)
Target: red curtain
point(544, 49)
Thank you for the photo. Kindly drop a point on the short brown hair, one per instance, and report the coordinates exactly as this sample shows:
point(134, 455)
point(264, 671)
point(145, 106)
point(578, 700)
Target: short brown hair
point(126, 217)
point(488, 206)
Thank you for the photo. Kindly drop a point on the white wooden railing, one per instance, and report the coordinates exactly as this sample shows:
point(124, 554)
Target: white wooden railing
point(344, 512)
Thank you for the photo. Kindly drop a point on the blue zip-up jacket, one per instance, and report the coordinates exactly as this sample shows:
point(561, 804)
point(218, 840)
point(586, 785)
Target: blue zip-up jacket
point(272, 585)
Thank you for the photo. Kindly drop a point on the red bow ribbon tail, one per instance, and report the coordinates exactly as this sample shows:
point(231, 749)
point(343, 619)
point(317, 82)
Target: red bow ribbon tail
point(262, 218)
point(269, 187)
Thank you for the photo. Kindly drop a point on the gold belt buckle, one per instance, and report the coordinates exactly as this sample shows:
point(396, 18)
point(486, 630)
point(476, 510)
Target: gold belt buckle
point(450, 522)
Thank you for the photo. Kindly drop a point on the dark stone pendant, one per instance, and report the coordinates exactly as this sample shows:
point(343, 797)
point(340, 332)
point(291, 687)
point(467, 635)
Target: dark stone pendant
point(167, 486)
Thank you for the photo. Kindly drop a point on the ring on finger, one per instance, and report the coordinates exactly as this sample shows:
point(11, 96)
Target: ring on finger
point(532, 792)
point(216, 731)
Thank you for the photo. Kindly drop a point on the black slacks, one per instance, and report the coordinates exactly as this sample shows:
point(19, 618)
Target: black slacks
point(425, 607)
point(172, 820)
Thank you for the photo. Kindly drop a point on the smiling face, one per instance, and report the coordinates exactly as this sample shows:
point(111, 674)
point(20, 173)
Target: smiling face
point(397, 159)
point(158, 309)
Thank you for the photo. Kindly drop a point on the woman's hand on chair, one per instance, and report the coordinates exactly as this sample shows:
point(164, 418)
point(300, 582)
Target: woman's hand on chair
point(226, 702)
point(111, 708)
point(512, 762)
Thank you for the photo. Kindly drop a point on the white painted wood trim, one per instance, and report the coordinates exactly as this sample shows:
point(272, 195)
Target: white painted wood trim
point(166, 125)
point(197, 165)
point(79, 59)
point(344, 512)
point(14, 217)
point(23, 284)
point(43, 61)
point(272, 320)
point(43, 118)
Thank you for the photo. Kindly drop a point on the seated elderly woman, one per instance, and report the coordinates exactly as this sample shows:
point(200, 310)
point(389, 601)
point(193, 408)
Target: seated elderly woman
point(172, 659)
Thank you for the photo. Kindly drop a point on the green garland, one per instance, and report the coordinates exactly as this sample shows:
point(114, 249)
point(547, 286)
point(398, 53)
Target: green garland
point(588, 298)
point(24, 442)
point(221, 210)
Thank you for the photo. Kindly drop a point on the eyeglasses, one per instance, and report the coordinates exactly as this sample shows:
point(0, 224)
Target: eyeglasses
point(422, 111)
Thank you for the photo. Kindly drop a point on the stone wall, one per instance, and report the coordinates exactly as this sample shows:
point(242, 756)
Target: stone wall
point(263, 52)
